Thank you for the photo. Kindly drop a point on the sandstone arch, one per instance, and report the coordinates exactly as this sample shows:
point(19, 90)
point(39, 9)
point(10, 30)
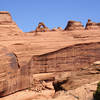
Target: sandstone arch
point(41, 27)
point(41, 24)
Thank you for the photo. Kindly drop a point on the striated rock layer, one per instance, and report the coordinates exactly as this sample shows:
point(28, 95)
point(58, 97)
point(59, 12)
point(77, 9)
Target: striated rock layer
point(74, 25)
point(12, 77)
point(5, 17)
point(70, 58)
point(7, 25)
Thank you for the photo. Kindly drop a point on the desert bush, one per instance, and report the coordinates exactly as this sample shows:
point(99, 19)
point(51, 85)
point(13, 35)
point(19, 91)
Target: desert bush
point(96, 94)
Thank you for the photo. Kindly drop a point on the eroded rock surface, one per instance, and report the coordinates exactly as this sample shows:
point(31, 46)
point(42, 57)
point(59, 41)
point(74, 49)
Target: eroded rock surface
point(84, 92)
point(92, 25)
point(74, 25)
point(5, 16)
point(47, 53)
point(7, 25)
point(42, 28)
point(67, 59)
point(8, 69)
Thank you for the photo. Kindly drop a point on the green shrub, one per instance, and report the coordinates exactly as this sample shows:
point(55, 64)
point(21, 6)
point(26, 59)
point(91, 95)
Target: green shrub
point(96, 94)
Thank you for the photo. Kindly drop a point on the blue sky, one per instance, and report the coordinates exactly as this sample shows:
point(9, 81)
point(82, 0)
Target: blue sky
point(54, 13)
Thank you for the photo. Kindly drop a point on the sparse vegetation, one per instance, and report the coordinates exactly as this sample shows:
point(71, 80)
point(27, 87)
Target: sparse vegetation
point(96, 94)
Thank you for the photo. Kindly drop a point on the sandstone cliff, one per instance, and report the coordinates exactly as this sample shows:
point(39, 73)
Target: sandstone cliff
point(12, 77)
point(47, 52)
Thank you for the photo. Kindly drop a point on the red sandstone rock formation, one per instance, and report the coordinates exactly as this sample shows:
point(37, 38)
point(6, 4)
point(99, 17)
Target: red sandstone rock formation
point(8, 68)
point(70, 58)
point(12, 77)
point(92, 25)
point(74, 25)
point(5, 17)
point(57, 29)
point(42, 28)
point(7, 25)
point(56, 51)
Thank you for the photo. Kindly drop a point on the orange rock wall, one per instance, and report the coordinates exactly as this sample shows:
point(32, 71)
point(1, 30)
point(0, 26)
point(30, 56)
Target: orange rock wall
point(70, 58)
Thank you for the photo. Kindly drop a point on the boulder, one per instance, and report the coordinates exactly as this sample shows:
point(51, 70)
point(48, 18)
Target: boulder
point(44, 76)
point(74, 25)
point(84, 92)
point(57, 29)
point(54, 29)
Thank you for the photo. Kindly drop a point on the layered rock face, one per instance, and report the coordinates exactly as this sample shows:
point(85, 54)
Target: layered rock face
point(5, 17)
point(18, 66)
point(74, 25)
point(12, 77)
point(92, 25)
point(8, 68)
point(7, 25)
point(68, 59)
